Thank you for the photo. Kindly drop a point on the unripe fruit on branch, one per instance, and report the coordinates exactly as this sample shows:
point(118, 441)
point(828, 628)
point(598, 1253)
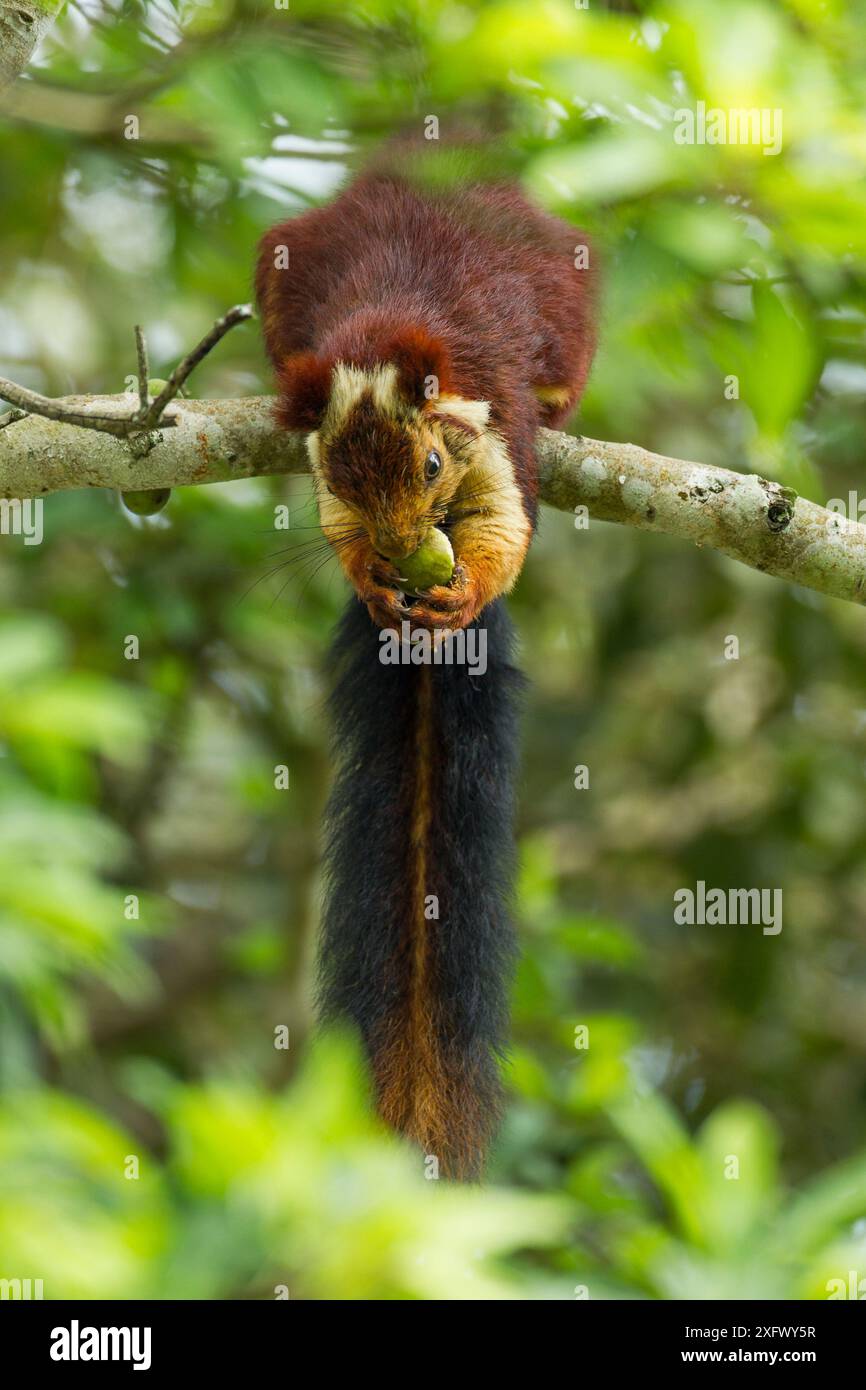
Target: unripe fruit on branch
point(146, 503)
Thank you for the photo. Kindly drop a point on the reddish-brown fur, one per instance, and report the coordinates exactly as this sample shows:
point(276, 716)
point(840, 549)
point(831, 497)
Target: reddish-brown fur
point(474, 284)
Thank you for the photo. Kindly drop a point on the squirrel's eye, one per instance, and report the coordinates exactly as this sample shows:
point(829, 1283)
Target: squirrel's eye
point(432, 465)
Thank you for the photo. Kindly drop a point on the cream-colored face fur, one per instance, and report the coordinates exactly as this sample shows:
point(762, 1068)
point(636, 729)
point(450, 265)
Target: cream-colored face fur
point(368, 460)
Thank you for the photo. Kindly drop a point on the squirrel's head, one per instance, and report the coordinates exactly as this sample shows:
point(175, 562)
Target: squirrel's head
point(389, 441)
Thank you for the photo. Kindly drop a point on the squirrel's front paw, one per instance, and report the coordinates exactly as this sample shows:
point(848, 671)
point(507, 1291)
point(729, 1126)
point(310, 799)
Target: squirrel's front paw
point(386, 602)
point(449, 606)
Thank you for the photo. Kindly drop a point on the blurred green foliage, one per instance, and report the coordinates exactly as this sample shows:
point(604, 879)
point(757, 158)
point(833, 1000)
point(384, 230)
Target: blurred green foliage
point(158, 897)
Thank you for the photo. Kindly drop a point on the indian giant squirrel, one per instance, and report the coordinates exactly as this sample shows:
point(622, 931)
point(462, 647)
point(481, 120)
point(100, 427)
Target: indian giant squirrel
point(421, 332)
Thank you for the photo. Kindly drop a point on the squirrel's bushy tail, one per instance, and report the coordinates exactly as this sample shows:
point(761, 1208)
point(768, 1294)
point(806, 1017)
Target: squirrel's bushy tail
point(417, 942)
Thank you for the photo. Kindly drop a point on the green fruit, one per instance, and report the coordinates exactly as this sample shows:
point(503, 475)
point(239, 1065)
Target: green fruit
point(146, 503)
point(432, 563)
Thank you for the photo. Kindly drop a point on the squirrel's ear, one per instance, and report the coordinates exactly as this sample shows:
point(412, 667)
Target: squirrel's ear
point(423, 365)
point(305, 388)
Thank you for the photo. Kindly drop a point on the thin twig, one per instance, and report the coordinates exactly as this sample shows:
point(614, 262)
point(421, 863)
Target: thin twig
point(31, 403)
point(143, 369)
point(149, 415)
point(150, 418)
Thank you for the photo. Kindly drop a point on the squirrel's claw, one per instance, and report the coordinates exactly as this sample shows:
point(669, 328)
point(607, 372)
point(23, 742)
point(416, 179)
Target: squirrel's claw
point(383, 573)
point(387, 607)
point(380, 590)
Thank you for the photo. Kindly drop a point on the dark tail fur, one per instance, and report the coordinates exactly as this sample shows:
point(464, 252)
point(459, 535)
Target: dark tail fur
point(417, 940)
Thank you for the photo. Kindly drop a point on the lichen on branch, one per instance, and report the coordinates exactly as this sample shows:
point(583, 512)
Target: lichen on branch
point(23, 24)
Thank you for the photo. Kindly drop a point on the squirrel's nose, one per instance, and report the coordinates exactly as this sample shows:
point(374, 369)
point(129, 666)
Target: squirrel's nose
point(394, 548)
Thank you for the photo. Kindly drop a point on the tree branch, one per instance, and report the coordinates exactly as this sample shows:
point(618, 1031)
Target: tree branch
point(99, 116)
point(748, 518)
point(137, 426)
point(23, 23)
